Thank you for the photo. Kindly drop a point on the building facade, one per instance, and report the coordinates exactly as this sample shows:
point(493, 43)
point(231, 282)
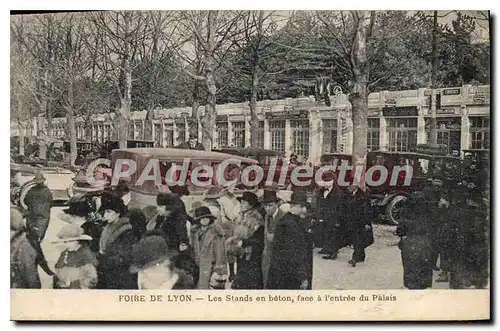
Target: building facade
point(397, 121)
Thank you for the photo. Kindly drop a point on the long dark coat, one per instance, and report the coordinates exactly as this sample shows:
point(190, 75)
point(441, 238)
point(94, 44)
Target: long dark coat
point(269, 230)
point(287, 269)
point(359, 214)
point(307, 228)
point(416, 250)
point(116, 256)
point(328, 209)
point(23, 262)
point(39, 201)
point(249, 276)
point(174, 229)
point(468, 247)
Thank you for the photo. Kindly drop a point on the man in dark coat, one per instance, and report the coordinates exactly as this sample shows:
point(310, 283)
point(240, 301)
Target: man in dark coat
point(328, 213)
point(171, 220)
point(287, 269)
point(192, 143)
point(308, 220)
point(273, 215)
point(115, 247)
point(359, 224)
point(469, 248)
point(415, 229)
point(38, 200)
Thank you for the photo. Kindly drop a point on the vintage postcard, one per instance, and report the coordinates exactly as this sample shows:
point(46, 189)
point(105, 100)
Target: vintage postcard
point(250, 165)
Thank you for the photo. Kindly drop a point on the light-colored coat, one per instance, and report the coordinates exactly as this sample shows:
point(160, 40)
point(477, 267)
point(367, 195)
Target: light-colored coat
point(209, 253)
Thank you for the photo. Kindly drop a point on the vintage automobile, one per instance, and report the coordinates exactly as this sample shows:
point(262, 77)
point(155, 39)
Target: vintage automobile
point(263, 157)
point(102, 172)
point(477, 166)
point(57, 179)
point(388, 198)
point(82, 147)
point(145, 194)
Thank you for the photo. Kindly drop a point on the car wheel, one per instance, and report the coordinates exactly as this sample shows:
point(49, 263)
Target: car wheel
point(394, 209)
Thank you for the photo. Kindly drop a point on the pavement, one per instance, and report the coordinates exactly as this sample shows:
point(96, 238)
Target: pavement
point(381, 270)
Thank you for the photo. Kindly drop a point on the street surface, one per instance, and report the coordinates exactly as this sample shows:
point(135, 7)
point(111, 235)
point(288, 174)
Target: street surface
point(381, 270)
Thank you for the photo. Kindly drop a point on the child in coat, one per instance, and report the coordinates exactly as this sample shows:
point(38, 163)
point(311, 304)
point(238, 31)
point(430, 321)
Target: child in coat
point(76, 267)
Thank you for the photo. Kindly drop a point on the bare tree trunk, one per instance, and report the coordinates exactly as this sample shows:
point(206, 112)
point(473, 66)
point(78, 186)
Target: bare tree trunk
point(208, 122)
point(22, 124)
point(359, 95)
point(254, 120)
point(194, 107)
point(70, 117)
point(43, 132)
point(125, 103)
point(433, 124)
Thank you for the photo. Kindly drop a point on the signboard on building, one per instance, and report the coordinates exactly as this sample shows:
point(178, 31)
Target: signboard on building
point(390, 102)
point(452, 91)
point(479, 99)
point(447, 111)
point(400, 111)
point(288, 114)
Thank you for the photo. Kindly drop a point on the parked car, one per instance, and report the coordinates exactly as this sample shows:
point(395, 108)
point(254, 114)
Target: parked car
point(57, 178)
point(390, 195)
point(145, 194)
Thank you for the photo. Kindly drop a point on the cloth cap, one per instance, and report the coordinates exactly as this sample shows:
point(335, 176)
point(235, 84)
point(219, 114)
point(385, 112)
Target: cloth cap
point(39, 178)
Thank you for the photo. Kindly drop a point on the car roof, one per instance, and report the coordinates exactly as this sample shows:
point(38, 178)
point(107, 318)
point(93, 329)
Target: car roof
point(336, 154)
point(248, 151)
point(400, 153)
point(184, 153)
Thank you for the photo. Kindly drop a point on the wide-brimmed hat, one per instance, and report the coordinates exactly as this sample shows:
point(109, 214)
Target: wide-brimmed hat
point(152, 249)
point(202, 212)
point(71, 232)
point(193, 135)
point(39, 178)
point(112, 201)
point(78, 205)
point(298, 198)
point(249, 197)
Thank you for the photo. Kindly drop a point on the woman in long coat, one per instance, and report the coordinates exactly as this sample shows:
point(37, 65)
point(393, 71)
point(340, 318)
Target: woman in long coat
point(415, 229)
point(115, 247)
point(208, 247)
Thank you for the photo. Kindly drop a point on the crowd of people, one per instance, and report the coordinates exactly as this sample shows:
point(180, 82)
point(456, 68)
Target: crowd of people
point(245, 242)
point(449, 224)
